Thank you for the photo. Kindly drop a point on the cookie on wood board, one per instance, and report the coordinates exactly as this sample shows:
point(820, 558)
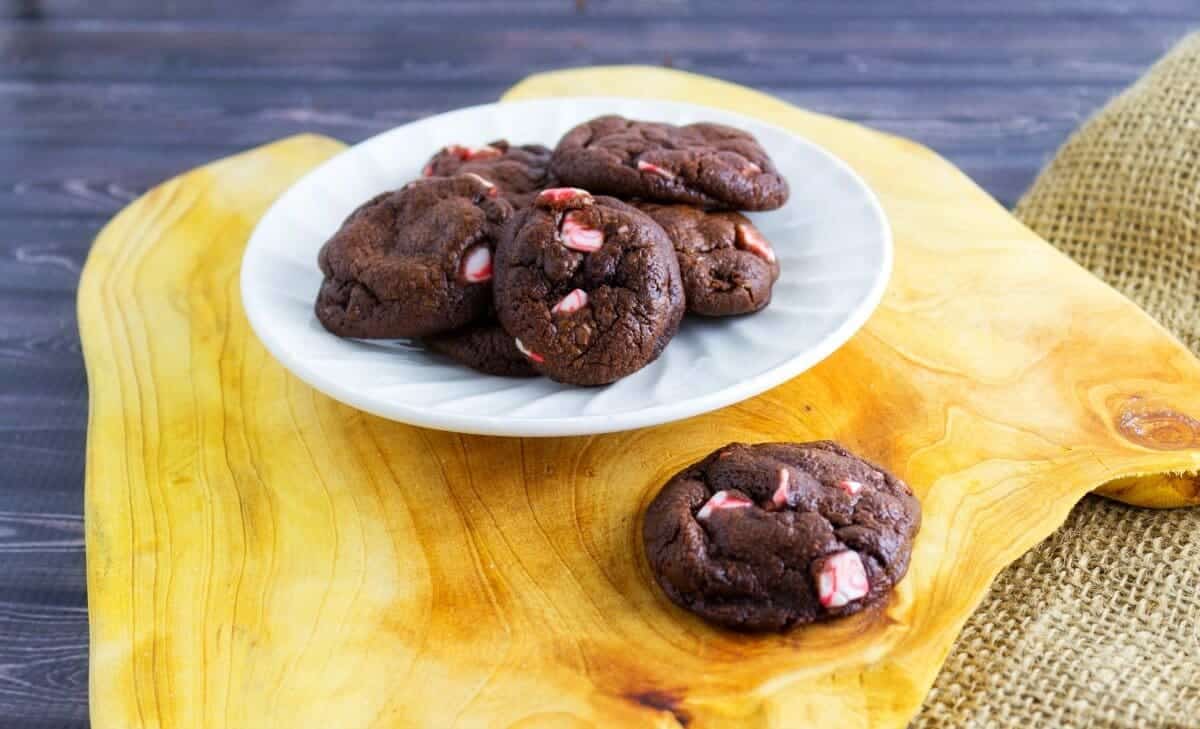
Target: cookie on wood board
point(769, 536)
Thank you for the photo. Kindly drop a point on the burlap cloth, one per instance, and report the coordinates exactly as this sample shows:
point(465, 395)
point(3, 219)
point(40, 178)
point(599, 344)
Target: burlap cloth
point(1099, 626)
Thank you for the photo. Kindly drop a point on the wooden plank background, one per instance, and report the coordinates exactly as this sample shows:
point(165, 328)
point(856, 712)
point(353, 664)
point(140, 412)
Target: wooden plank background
point(99, 100)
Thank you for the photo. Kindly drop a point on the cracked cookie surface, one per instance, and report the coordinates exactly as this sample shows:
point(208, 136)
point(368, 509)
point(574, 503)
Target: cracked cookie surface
point(588, 286)
point(711, 165)
point(412, 262)
point(728, 267)
point(768, 536)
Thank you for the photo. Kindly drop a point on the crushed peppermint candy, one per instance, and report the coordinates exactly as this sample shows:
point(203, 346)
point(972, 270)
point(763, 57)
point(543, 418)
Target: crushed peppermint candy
point(477, 265)
point(850, 487)
point(492, 190)
point(468, 154)
point(842, 579)
point(534, 356)
point(563, 197)
point(654, 169)
point(571, 303)
point(723, 500)
point(780, 498)
point(748, 238)
point(578, 235)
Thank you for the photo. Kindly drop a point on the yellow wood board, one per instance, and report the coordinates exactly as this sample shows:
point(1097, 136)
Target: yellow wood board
point(261, 556)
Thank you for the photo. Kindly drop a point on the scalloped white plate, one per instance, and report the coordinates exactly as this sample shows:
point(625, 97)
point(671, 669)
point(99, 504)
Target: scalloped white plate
point(832, 239)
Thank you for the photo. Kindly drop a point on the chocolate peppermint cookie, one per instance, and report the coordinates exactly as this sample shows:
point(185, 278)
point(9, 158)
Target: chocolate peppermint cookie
point(588, 286)
point(484, 347)
point(728, 267)
point(768, 536)
point(518, 171)
point(412, 262)
point(705, 164)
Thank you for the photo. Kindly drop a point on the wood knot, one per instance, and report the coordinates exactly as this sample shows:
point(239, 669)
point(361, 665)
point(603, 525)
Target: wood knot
point(661, 701)
point(1160, 428)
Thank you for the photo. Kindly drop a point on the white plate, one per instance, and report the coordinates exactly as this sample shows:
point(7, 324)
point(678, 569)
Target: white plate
point(832, 239)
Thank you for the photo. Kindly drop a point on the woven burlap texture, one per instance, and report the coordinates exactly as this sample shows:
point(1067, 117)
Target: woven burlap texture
point(1099, 626)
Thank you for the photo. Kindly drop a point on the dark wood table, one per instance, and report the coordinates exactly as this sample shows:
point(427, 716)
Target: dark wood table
point(99, 100)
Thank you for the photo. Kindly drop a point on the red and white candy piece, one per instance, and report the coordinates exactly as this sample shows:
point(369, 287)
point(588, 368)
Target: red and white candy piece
point(532, 355)
point(842, 578)
point(723, 500)
point(654, 169)
point(850, 487)
point(780, 498)
point(748, 238)
point(571, 303)
point(578, 235)
point(477, 265)
point(492, 190)
point(563, 196)
point(751, 169)
point(427, 171)
point(467, 154)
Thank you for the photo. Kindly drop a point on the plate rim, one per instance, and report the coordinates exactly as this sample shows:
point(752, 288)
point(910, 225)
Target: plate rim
point(583, 424)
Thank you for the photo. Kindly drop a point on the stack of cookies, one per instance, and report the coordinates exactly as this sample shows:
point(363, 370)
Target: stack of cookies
point(576, 263)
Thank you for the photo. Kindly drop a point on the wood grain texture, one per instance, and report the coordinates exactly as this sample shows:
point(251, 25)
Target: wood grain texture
point(84, 132)
point(261, 555)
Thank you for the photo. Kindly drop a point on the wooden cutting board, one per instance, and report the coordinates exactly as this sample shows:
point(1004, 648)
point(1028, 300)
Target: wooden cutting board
point(261, 556)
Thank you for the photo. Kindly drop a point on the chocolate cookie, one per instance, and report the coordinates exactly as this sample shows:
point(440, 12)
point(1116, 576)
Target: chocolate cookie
point(728, 267)
point(764, 537)
point(519, 171)
point(711, 165)
point(589, 287)
point(413, 262)
point(485, 347)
